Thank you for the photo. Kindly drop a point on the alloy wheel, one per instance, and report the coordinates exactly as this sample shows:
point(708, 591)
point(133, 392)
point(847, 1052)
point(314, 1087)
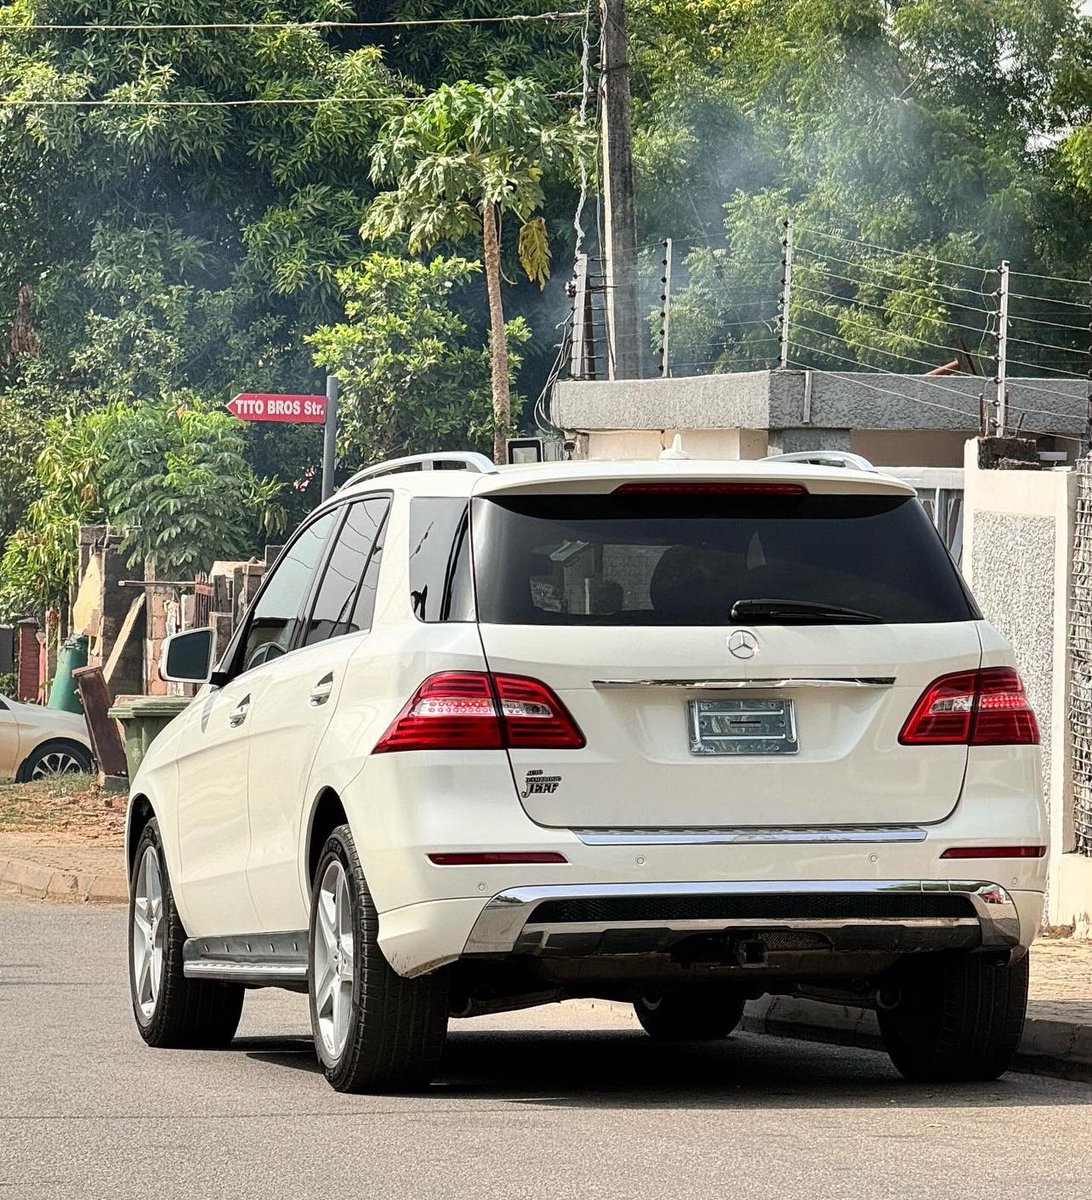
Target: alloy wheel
point(333, 958)
point(149, 933)
point(57, 762)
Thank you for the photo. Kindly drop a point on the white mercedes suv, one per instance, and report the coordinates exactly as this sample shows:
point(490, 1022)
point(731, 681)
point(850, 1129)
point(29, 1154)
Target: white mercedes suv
point(675, 733)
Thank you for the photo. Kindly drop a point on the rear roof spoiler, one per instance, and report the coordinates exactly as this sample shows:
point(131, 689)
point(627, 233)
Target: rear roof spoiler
point(825, 458)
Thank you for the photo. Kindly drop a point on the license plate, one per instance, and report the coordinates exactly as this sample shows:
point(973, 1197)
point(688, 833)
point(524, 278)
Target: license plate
point(742, 727)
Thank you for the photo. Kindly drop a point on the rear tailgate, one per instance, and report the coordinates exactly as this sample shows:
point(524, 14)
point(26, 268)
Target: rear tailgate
point(621, 602)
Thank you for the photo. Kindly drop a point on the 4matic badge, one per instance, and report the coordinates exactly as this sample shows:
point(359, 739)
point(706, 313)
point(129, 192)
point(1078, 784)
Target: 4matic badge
point(538, 783)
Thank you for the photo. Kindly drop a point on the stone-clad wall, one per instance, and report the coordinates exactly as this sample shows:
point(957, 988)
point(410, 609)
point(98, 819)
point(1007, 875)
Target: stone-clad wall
point(1014, 582)
point(1018, 556)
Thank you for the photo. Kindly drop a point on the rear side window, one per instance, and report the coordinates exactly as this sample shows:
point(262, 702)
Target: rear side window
point(338, 609)
point(686, 560)
point(439, 559)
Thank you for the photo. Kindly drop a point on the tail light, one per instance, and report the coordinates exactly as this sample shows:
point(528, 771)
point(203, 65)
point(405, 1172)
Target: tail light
point(973, 708)
point(474, 710)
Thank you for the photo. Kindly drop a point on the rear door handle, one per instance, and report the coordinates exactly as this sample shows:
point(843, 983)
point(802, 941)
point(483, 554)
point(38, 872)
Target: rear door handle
point(320, 693)
point(239, 715)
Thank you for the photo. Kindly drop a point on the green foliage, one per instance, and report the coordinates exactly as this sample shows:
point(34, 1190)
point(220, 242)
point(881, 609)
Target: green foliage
point(464, 147)
point(412, 374)
point(171, 476)
point(951, 131)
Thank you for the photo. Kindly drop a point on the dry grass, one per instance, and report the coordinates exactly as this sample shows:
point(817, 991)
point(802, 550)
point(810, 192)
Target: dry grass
point(68, 804)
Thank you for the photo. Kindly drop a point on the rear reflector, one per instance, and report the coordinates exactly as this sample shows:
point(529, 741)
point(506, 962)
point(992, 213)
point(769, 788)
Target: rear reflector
point(494, 858)
point(973, 708)
point(695, 487)
point(473, 710)
point(994, 852)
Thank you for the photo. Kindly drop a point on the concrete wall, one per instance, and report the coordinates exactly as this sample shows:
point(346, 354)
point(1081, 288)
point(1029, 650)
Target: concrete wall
point(698, 443)
point(799, 400)
point(1017, 556)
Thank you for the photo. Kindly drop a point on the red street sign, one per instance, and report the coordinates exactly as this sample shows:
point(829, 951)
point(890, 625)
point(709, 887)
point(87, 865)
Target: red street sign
point(273, 406)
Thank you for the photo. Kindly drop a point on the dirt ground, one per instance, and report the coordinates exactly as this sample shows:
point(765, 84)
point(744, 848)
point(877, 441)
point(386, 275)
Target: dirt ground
point(69, 808)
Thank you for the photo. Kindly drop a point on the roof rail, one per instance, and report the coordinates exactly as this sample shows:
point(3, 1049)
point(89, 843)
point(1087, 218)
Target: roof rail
point(825, 458)
point(467, 460)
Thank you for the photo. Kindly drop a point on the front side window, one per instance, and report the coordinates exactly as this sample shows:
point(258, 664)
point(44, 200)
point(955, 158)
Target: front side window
point(273, 622)
point(340, 605)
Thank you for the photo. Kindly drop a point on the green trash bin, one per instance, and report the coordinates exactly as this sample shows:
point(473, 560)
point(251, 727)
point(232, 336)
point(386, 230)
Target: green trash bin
point(63, 693)
point(143, 719)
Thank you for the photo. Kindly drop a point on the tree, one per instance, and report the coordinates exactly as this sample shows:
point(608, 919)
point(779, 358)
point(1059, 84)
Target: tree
point(411, 372)
point(460, 160)
point(170, 476)
point(946, 131)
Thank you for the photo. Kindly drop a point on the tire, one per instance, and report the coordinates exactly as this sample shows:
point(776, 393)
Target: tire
point(959, 1018)
point(59, 757)
point(374, 1030)
point(698, 1014)
point(171, 1011)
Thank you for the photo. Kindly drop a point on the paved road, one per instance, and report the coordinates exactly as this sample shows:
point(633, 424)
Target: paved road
point(563, 1103)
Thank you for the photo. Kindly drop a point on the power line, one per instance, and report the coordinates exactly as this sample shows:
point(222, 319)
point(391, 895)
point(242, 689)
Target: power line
point(215, 26)
point(7, 102)
point(11, 102)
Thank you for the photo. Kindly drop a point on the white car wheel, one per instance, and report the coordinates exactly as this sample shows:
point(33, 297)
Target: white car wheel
point(148, 934)
point(332, 955)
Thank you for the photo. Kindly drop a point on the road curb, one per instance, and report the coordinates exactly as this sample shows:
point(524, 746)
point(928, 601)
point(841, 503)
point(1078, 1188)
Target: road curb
point(45, 882)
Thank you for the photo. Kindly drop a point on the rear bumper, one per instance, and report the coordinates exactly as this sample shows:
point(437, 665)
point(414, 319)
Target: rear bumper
point(864, 916)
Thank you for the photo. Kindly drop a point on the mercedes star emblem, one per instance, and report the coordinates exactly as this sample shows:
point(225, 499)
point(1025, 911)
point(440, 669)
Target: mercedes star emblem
point(743, 643)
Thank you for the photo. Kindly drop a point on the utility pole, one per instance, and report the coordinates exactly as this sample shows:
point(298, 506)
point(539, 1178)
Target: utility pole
point(620, 251)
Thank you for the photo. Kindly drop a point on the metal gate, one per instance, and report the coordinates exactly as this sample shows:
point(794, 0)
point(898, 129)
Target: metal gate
point(1080, 645)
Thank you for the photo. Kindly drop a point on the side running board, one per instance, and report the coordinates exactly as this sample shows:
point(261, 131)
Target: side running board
point(254, 959)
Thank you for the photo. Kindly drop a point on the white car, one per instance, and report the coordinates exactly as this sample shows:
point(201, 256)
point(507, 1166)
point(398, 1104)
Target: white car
point(37, 742)
point(676, 733)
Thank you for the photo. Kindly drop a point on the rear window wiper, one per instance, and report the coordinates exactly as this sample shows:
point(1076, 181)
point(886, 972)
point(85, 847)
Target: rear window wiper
point(787, 612)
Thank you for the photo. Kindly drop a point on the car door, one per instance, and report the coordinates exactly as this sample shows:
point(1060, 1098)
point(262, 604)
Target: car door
point(214, 745)
point(9, 742)
point(298, 700)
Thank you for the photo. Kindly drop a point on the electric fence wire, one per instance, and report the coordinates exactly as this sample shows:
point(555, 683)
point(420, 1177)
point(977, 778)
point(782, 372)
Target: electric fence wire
point(905, 397)
point(890, 272)
point(924, 257)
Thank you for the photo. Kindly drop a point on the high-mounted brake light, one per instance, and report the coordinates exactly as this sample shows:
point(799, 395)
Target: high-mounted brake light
point(973, 708)
point(473, 710)
point(695, 487)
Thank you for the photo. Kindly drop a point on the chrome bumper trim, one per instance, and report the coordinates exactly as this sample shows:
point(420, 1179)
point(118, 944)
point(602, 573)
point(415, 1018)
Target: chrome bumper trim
point(720, 685)
point(752, 836)
point(504, 923)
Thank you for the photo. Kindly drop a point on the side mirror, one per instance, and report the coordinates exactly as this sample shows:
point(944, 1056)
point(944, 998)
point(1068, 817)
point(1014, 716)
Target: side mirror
point(188, 657)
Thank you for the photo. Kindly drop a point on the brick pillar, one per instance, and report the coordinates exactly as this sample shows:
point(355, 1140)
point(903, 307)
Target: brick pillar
point(27, 655)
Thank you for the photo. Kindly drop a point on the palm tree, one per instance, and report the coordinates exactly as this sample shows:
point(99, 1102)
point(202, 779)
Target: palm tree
point(459, 160)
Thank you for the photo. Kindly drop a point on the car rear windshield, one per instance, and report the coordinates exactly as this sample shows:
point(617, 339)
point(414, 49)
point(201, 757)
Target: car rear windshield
point(687, 560)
